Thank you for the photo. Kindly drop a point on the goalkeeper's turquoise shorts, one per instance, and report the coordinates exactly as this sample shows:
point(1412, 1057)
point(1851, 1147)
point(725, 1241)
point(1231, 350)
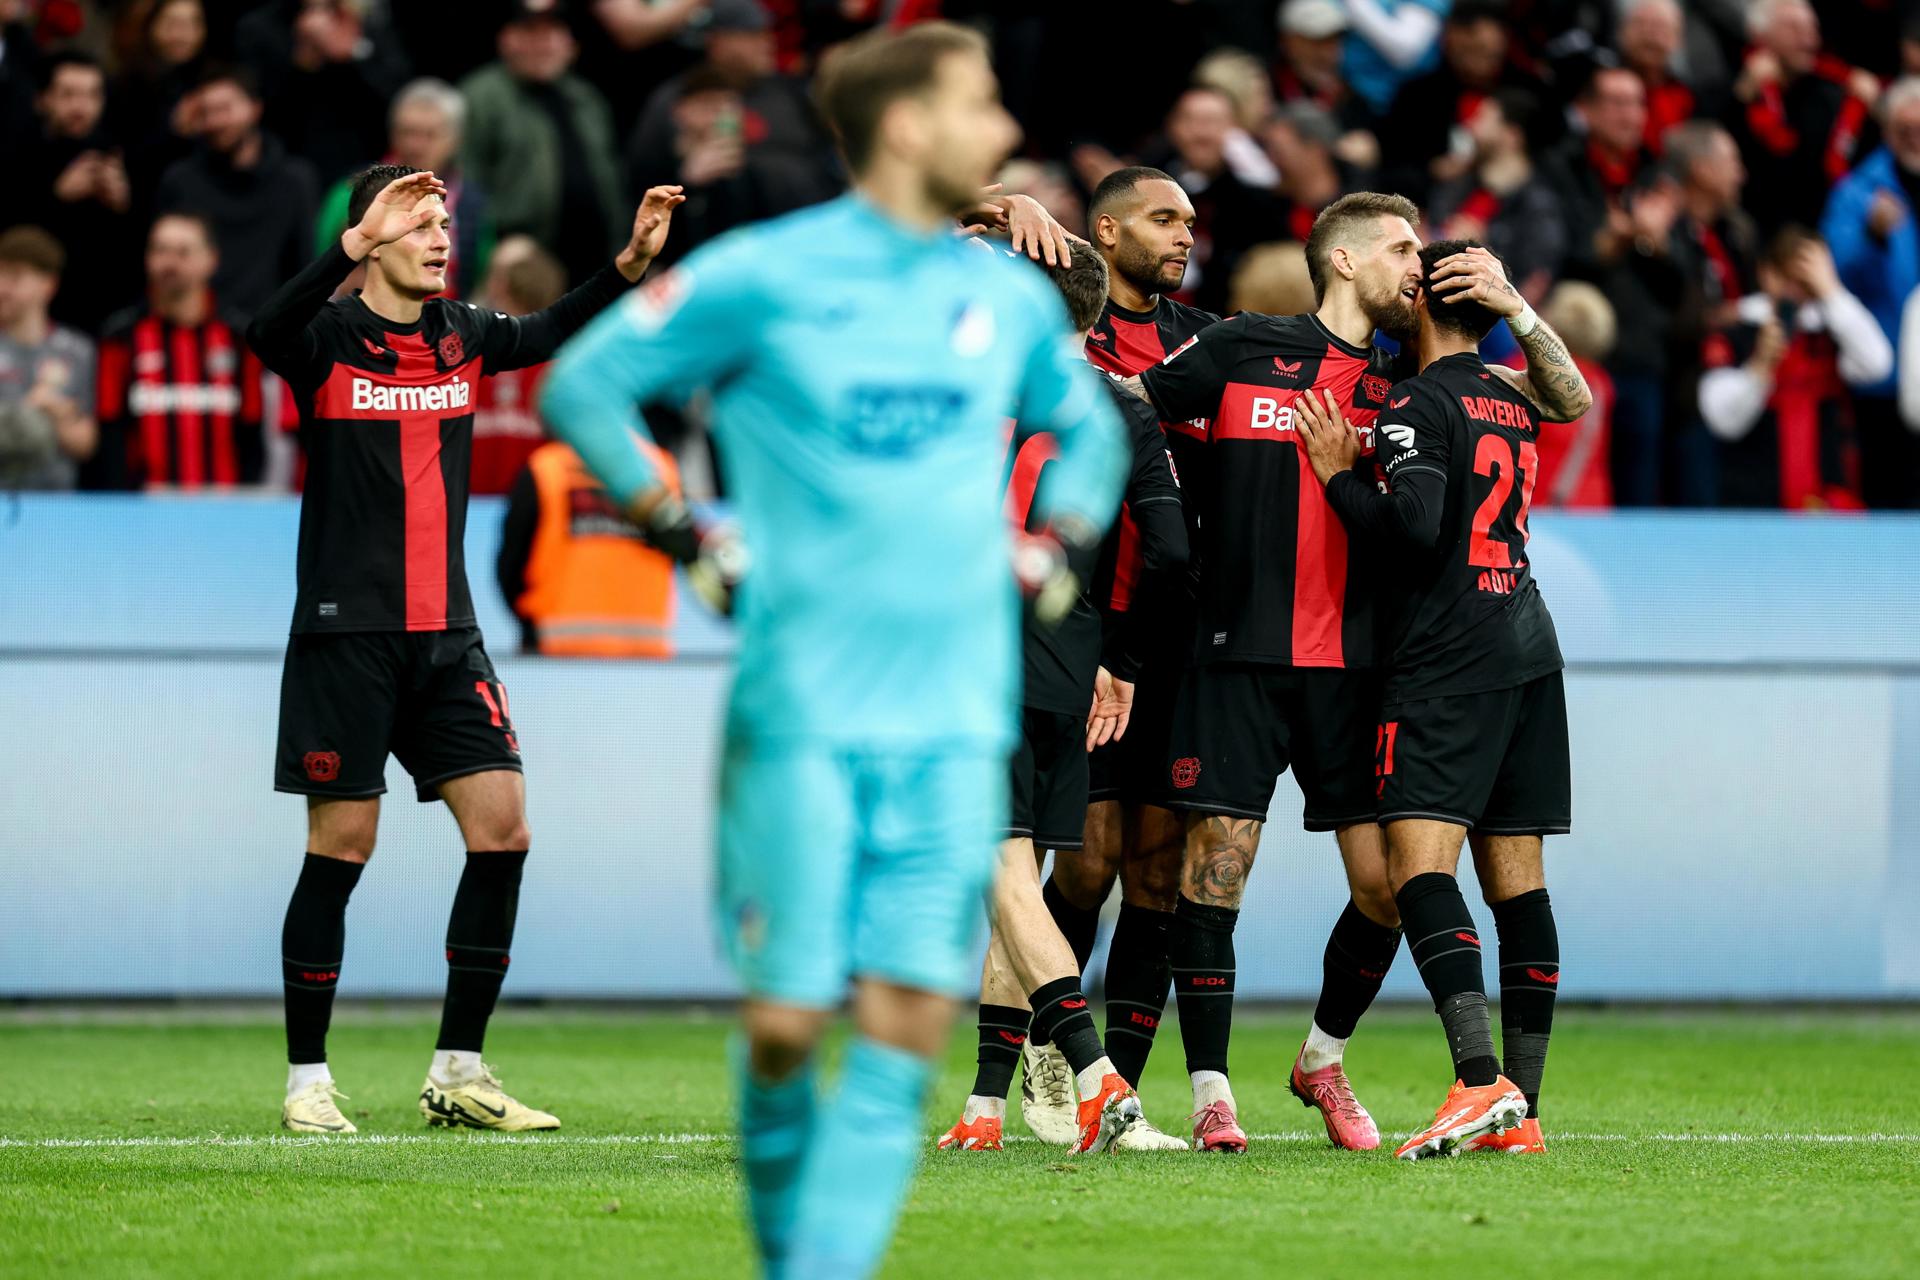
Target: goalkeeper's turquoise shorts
point(837, 864)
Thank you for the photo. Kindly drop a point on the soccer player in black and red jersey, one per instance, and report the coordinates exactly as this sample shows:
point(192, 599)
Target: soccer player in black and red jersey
point(1472, 741)
point(1141, 222)
point(1284, 651)
point(384, 656)
point(1030, 988)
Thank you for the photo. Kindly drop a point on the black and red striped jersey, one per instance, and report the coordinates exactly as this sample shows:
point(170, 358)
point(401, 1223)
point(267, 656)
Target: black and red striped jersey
point(1459, 449)
point(386, 422)
point(1059, 662)
point(1279, 580)
point(1124, 343)
point(179, 405)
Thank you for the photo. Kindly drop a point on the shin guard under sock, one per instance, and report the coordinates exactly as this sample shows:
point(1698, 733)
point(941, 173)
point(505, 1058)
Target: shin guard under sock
point(1138, 980)
point(479, 939)
point(1200, 955)
point(1529, 981)
point(312, 941)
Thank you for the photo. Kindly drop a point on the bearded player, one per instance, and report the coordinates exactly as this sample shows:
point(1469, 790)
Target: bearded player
point(1473, 731)
point(385, 657)
point(1284, 653)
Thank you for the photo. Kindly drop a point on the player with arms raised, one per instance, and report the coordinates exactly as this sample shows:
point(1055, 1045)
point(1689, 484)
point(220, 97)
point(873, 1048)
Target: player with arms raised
point(1473, 730)
point(864, 784)
point(385, 656)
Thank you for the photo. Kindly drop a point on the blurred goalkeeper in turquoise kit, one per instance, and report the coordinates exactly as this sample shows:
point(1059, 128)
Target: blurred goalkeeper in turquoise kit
point(864, 363)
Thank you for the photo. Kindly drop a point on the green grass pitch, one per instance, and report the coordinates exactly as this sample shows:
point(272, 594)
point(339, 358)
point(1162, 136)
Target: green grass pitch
point(1735, 1143)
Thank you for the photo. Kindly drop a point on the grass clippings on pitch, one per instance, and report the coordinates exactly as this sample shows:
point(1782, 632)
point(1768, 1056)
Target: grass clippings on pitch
point(1742, 1143)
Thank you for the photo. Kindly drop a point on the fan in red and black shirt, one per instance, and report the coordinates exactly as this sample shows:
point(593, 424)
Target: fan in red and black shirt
point(1473, 729)
point(1284, 649)
point(384, 656)
point(180, 400)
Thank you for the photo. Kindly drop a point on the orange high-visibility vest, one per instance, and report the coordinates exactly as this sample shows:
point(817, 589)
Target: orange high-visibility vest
point(594, 589)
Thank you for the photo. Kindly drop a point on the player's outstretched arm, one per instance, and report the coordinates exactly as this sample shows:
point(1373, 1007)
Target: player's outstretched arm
point(278, 334)
point(1552, 381)
point(1410, 513)
point(510, 343)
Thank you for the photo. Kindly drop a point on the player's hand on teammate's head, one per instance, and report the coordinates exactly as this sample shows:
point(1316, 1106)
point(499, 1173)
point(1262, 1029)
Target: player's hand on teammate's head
point(1332, 446)
point(1477, 274)
point(402, 207)
point(650, 224)
point(1112, 709)
point(1029, 227)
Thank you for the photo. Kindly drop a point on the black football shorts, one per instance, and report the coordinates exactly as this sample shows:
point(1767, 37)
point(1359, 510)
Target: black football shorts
point(1134, 769)
point(1050, 779)
point(1497, 763)
point(347, 699)
point(1239, 725)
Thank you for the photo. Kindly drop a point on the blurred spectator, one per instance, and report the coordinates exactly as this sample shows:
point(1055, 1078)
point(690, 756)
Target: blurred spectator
point(1240, 76)
point(180, 394)
point(1309, 71)
point(540, 141)
point(1575, 470)
point(741, 137)
point(76, 186)
point(577, 573)
point(522, 278)
point(330, 67)
point(159, 46)
point(1229, 215)
point(1389, 42)
point(1051, 186)
point(429, 117)
point(1870, 225)
point(1775, 390)
point(1426, 138)
point(1272, 280)
point(1503, 199)
point(1714, 236)
point(1301, 139)
point(1801, 114)
point(1620, 213)
point(1651, 36)
point(46, 370)
point(258, 199)
point(634, 45)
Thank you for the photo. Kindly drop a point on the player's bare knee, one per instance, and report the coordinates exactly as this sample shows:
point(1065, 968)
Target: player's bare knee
point(1085, 876)
point(780, 1038)
point(343, 829)
point(1219, 856)
point(1152, 880)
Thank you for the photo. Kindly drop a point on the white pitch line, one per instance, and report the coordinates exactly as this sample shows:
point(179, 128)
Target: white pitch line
point(695, 1139)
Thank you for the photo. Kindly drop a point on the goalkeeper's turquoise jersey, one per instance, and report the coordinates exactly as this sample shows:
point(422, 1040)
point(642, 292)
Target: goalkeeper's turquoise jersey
point(863, 378)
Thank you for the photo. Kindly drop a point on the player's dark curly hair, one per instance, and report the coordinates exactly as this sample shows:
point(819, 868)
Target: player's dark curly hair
point(367, 184)
point(1472, 318)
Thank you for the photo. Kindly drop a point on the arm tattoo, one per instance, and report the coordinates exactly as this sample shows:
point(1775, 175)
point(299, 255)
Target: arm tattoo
point(1554, 382)
point(1134, 387)
point(1219, 854)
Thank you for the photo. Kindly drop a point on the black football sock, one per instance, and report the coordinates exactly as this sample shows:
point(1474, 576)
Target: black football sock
point(1060, 1009)
point(1446, 945)
point(1078, 925)
point(1200, 954)
point(312, 941)
point(479, 938)
point(1529, 981)
point(1137, 983)
point(1359, 953)
point(1003, 1029)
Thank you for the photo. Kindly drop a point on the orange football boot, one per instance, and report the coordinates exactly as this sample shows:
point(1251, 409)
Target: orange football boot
point(1522, 1140)
point(1106, 1115)
point(1466, 1114)
point(981, 1134)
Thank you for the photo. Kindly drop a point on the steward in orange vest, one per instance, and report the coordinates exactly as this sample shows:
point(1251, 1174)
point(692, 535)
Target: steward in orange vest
point(575, 570)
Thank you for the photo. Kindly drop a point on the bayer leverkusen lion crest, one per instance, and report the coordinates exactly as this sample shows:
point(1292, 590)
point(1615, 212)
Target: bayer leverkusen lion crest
point(452, 351)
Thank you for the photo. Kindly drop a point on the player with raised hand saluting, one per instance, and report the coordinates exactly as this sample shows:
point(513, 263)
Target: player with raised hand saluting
point(1472, 741)
point(864, 784)
point(385, 657)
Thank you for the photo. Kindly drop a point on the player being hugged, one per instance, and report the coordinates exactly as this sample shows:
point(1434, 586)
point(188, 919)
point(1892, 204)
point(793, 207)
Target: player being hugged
point(1472, 742)
point(385, 656)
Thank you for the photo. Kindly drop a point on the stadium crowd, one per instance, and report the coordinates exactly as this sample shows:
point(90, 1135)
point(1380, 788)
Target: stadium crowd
point(1714, 202)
